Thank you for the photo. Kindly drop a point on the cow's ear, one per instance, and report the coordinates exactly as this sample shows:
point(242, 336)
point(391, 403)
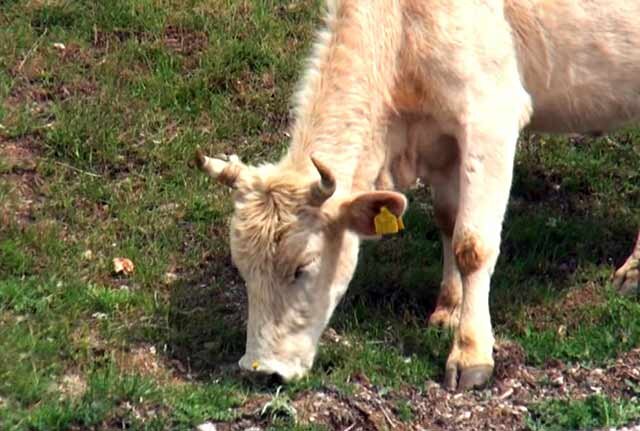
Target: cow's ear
point(359, 213)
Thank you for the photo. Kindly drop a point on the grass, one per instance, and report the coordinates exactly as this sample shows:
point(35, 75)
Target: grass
point(108, 125)
point(594, 411)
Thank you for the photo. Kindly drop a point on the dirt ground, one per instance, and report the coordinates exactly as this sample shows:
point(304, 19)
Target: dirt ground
point(503, 406)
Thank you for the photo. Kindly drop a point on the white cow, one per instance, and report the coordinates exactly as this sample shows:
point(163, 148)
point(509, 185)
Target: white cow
point(402, 89)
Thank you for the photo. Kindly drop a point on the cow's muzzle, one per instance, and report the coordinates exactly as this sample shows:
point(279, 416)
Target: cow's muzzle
point(286, 371)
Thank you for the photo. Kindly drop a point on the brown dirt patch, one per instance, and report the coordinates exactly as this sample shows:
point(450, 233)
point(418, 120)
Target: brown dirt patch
point(72, 385)
point(503, 406)
point(104, 40)
point(19, 176)
point(184, 41)
point(38, 96)
point(76, 54)
point(144, 360)
point(573, 309)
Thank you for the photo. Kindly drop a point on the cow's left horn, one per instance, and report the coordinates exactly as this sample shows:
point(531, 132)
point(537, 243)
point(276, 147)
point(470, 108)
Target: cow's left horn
point(323, 189)
point(226, 172)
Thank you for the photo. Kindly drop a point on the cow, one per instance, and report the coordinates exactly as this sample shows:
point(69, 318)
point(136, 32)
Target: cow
point(436, 90)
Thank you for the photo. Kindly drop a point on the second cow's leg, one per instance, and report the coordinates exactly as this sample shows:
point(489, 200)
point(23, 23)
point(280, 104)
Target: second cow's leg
point(445, 192)
point(627, 277)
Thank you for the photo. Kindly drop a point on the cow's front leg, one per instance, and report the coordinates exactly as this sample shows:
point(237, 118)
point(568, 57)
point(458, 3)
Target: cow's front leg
point(487, 150)
point(627, 277)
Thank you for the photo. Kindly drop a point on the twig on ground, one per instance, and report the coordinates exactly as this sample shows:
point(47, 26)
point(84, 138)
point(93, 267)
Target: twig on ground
point(73, 168)
point(386, 416)
point(32, 50)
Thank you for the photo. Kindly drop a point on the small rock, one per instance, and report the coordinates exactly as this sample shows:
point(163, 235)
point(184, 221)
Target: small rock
point(464, 416)
point(99, 316)
point(207, 426)
point(558, 381)
point(596, 389)
point(87, 255)
point(59, 46)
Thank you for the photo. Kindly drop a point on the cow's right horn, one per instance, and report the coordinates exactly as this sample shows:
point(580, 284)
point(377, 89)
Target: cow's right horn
point(323, 189)
point(226, 172)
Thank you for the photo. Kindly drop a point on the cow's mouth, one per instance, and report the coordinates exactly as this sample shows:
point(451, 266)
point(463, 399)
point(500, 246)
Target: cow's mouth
point(287, 371)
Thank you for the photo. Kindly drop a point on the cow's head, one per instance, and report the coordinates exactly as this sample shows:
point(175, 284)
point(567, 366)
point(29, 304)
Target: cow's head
point(295, 241)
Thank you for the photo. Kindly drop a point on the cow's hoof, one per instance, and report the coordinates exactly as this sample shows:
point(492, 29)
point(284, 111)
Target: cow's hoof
point(627, 279)
point(445, 317)
point(475, 376)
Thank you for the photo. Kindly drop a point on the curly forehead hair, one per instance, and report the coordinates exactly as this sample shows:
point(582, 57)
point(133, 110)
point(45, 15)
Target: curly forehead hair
point(266, 210)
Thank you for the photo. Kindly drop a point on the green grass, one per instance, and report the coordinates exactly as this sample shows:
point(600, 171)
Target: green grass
point(109, 125)
point(596, 411)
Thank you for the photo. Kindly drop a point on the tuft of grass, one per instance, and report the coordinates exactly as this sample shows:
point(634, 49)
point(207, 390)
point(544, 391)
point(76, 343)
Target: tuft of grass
point(192, 405)
point(13, 259)
point(279, 407)
point(606, 330)
point(404, 411)
point(595, 411)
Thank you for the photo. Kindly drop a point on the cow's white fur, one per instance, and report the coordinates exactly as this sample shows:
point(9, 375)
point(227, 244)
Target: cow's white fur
point(435, 89)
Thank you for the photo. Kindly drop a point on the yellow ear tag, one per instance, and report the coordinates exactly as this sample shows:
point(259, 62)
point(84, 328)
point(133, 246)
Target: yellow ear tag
point(255, 365)
point(387, 223)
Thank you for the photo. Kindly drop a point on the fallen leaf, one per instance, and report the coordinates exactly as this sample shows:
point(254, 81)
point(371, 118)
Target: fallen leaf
point(123, 265)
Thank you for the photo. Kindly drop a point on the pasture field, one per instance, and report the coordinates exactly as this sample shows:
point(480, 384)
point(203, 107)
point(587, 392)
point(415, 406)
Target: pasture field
point(102, 104)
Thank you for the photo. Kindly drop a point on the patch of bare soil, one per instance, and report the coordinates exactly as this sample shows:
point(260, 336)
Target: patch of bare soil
point(143, 359)
point(184, 41)
point(18, 163)
point(103, 41)
point(72, 385)
point(503, 406)
point(574, 309)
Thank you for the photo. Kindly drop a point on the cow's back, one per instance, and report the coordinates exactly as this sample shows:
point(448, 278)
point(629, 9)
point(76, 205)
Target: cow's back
point(579, 60)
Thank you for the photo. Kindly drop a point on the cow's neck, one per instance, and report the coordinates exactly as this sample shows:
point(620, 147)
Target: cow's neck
point(344, 100)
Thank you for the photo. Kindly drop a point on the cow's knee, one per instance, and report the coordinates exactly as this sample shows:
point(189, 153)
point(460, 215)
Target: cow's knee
point(471, 252)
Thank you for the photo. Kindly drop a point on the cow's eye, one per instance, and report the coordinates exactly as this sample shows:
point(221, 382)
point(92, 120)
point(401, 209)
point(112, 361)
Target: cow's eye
point(299, 272)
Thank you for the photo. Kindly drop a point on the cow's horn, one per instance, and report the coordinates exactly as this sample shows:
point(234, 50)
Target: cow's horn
point(323, 189)
point(226, 172)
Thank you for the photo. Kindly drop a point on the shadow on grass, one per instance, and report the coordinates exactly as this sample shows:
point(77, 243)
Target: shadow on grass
point(206, 319)
point(551, 234)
